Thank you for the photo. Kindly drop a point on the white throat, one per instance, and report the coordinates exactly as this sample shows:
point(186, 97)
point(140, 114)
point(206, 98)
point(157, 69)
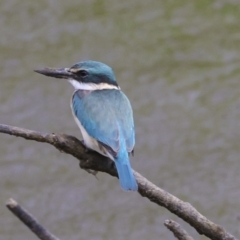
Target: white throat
point(91, 86)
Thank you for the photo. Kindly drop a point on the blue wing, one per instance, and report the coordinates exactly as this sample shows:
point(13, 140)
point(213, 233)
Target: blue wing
point(106, 115)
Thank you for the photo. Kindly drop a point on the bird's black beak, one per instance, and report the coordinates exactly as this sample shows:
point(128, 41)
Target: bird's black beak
point(56, 72)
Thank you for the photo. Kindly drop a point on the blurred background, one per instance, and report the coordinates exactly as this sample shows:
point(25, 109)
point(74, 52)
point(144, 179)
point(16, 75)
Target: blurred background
point(178, 62)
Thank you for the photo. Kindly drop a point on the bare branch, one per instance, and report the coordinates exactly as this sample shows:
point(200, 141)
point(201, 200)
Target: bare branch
point(29, 220)
point(94, 161)
point(177, 230)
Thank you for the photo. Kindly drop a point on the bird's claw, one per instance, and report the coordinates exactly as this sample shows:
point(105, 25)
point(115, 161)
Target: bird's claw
point(92, 172)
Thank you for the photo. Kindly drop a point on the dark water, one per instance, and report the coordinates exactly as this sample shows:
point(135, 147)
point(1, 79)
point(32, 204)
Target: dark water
point(178, 61)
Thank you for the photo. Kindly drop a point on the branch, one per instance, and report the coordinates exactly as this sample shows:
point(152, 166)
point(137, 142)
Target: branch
point(177, 230)
point(29, 220)
point(96, 162)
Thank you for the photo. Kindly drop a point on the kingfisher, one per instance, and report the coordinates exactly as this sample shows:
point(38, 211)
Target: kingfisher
point(103, 113)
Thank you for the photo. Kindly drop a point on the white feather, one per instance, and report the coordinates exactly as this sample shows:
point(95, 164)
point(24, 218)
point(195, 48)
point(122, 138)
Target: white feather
point(91, 86)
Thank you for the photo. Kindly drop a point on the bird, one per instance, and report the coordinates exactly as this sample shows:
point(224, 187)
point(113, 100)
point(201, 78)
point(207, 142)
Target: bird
point(103, 114)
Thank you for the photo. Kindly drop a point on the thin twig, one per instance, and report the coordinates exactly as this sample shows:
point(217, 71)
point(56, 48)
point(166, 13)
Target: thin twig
point(29, 220)
point(94, 161)
point(177, 230)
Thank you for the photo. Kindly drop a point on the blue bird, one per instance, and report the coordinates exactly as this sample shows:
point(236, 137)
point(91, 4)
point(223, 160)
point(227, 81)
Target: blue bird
point(103, 113)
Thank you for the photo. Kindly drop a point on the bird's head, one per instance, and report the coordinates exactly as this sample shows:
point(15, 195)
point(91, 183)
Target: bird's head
point(86, 75)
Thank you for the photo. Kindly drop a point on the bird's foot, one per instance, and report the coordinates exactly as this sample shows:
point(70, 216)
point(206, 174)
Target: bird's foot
point(92, 172)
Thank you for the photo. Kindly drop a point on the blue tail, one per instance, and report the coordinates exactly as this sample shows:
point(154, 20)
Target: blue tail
point(125, 173)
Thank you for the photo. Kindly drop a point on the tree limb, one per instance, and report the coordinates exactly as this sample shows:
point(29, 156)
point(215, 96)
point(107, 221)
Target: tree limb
point(29, 220)
point(177, 230)
point(94, 161)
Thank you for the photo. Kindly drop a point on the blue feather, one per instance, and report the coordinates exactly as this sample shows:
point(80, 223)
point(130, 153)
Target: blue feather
point(107, 116)
point(103, 113)
point(125, 173)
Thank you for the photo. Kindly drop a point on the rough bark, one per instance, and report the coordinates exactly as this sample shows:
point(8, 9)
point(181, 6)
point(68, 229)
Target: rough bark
point(177, 230)
point(29, 220)
point(93, 161)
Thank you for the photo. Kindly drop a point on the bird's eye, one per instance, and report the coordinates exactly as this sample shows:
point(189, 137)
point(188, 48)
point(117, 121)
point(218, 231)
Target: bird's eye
point(82, 73)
